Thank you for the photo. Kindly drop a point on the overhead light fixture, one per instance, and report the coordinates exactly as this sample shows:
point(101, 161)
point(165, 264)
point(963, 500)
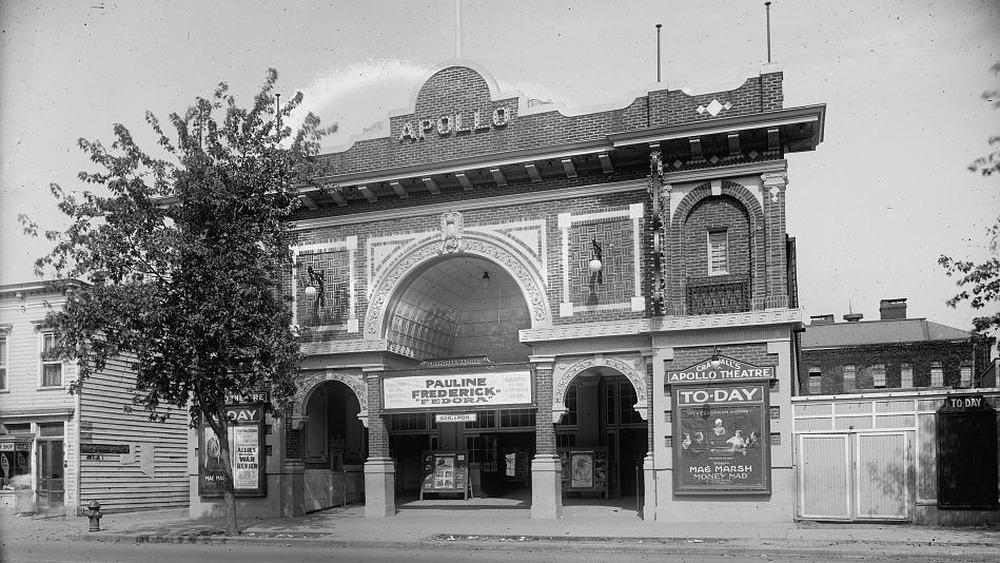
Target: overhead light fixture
point(316, 287)
point(715, 361)
point(596, 261)
point(485, 281)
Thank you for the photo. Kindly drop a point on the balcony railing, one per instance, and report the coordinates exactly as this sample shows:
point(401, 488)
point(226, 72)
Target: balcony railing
point(717, 294)
point(722, 294)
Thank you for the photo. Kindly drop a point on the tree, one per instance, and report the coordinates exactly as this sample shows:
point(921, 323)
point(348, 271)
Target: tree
point(981, 281)
point(186, 255)
point(990, 164)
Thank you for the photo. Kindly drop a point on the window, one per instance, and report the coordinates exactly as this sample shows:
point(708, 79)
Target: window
point(3, 361)
point(906, 375)
point(966, 376)
point(878, 375)
point(718, 253)
point(51, 366)
point(937, 374)
point(815, 381)
point(849, 377)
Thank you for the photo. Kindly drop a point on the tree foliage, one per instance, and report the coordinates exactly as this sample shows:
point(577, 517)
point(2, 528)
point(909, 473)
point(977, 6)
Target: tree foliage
point(186, 254)
point(990, 164)
point(980, 283)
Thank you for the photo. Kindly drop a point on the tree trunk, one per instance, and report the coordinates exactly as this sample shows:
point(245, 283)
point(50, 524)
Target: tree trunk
point(220, 425)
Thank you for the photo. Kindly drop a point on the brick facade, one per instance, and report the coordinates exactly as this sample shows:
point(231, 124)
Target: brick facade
point(471, 179)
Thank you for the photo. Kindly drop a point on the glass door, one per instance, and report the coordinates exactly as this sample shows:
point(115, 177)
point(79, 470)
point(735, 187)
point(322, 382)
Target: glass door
point(50, 473)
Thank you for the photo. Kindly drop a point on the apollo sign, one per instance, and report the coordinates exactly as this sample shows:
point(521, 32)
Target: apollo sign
point(457, 123)
point(721, 369)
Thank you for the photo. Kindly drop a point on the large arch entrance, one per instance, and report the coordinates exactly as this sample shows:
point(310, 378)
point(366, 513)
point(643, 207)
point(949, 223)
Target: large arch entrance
point(460, 316)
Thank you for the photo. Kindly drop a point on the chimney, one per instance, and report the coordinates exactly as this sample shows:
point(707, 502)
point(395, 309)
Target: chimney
point(892, 309)
point(853, 317)
point(821, 320)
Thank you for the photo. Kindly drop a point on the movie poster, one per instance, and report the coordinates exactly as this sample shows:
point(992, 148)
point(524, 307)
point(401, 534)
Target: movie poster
point(721, 439)
point(246, 448)
point(246, 451)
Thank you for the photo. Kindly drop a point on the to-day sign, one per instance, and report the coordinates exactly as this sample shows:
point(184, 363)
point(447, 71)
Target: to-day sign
point(724, 369)
point(459, 391)
point(721, 439)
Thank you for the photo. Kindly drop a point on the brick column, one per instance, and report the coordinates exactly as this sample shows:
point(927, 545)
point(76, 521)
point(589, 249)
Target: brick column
point(546, 471)
point(380, 471)
point(776, 259)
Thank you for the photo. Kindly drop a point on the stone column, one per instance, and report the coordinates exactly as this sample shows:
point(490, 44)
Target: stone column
point(546, 471)
point(380, 470)
point(648, 467)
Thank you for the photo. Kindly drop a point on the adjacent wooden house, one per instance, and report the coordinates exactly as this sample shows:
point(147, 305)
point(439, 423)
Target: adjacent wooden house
point(59, 451)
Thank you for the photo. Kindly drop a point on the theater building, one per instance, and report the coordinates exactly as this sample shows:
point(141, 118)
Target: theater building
point(508, 297)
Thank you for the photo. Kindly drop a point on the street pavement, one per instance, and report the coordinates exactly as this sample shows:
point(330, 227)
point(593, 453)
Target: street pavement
point(484, 524)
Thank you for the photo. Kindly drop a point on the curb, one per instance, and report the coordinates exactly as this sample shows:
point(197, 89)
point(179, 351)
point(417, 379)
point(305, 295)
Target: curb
point(666, 546)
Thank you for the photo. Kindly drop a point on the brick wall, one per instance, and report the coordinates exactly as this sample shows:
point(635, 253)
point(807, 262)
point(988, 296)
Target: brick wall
point(751, 353)
point(720, 213)
point(753, 249)
point(920, 356)
point(462, 91)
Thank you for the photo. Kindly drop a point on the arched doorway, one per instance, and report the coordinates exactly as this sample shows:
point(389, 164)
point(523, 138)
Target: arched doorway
point(601, 438)
point(334, 447)
point(461, 314)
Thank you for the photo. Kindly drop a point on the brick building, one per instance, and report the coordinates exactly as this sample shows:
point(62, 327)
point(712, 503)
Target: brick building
point(508, 297)
point(894, 352)
point(896, 421)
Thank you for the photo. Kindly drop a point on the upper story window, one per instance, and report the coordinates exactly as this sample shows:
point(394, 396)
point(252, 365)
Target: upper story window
point(878, 375)
point(815, 381)
point(3, 360)
point(718, 252)
point(906, 375)
point(850, 373)
point(966, 374)
point(52, 367)
point(937, 374)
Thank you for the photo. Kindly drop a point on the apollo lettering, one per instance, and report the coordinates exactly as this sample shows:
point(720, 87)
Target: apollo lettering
point(736, 394)
point(457, 123)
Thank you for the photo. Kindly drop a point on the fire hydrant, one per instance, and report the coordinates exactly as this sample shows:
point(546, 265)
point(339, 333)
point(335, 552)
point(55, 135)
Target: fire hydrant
point(94, 513)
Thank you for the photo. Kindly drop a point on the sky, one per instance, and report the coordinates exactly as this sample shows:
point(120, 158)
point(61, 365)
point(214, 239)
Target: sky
point(872, 209)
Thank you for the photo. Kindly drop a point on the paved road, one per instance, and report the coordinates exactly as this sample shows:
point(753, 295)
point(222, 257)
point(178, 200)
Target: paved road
point(107, 552)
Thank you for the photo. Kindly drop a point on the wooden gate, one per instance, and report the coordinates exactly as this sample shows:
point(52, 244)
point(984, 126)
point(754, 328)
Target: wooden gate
point(854, 476)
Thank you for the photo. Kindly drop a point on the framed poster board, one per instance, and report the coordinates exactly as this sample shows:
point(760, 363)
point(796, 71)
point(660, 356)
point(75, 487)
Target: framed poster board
point(967, 456)
point(445, 471)
point(584, 470)
point(246, 450)
point(721, 439)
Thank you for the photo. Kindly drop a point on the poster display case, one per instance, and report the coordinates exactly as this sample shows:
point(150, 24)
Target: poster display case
point(246, 450)
point(445, 471)
point(584, 470)
point(721, 444)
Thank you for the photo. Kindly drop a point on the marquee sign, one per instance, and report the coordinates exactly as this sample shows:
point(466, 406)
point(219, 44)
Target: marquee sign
point(455, 123)
point(457, 391)
point(721, 369)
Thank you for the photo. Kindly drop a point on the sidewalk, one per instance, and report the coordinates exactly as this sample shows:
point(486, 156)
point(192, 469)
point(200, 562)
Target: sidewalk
point(446, 523)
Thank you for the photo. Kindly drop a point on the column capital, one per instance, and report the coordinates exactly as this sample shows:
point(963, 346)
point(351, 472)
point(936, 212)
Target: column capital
point(539, 360)
point(775, 179)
